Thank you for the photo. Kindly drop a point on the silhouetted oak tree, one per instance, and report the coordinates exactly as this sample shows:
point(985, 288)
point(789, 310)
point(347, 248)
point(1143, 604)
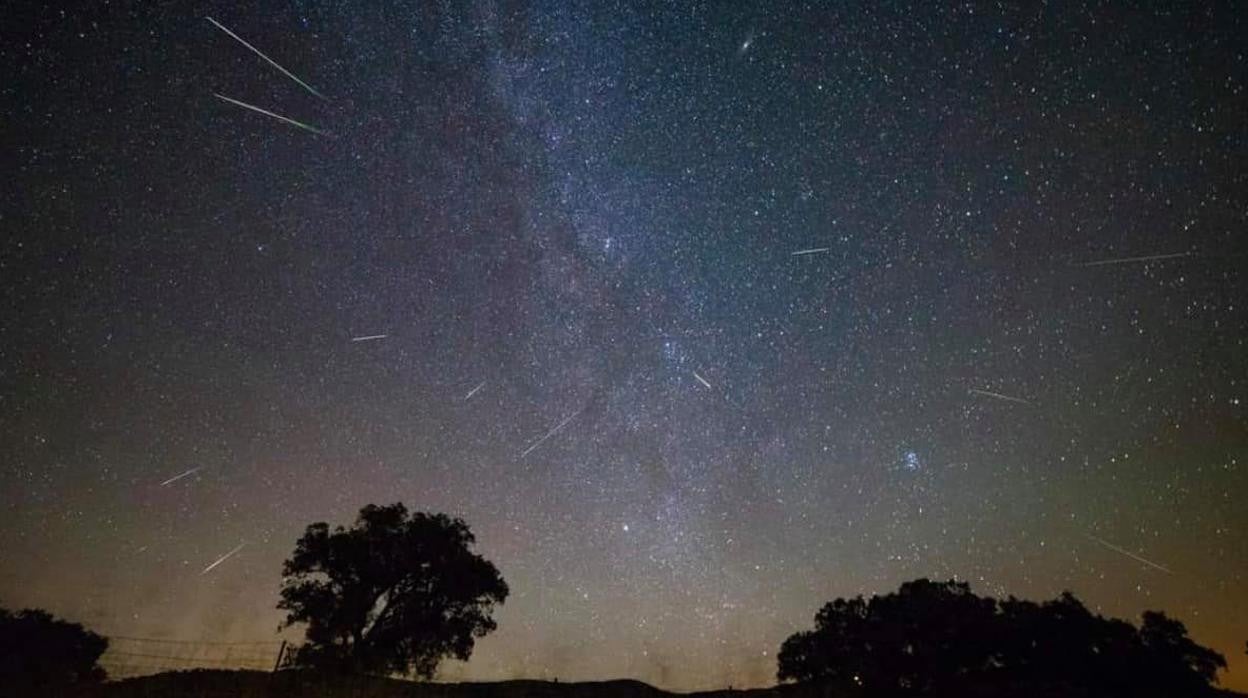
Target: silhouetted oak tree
point(934, 638)
point(38, 652)
point(395, 593)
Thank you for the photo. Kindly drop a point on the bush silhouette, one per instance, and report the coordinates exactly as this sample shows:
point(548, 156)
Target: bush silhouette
point(393, 594)
point(38, 651)
point(938, 638)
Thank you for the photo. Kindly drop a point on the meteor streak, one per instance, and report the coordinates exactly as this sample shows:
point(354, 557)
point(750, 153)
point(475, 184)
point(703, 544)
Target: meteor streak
point(272, 62)
point(701, 379)
point(999, 396)
point(549, 434)
point(369, 337)
point(813, 250)
point(175, 478)
point(474, 391)
point(266, 112)
point(223, 558)
point(1135, 260)
point(1129, 554)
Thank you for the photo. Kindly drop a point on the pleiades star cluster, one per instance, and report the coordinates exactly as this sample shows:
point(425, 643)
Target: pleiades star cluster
point(701, 314)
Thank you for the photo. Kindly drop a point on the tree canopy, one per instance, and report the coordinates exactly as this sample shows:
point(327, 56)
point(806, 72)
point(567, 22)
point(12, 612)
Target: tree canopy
point(393, 594)
point(38, 651)
point(938, 638)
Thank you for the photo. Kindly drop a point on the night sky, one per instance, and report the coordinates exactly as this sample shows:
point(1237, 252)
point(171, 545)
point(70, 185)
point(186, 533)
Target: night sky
point(700, 314)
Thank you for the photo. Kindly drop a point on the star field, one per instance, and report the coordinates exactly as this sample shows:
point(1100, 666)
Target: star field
point(700, 314)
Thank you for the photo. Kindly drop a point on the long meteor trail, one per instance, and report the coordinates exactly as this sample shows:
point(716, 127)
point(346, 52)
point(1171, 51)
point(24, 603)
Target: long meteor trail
point(999, 396)
point(223, 558)
point(1135, 260)
point(272, 62)
point(369, 337)
point(266, 112)
point(474, 391)
point(175, 478)
point(549, 434)
point(1129, 554)
point(701, 379)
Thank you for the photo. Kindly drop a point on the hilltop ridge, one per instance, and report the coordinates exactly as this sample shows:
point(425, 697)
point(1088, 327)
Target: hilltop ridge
point(213, 683)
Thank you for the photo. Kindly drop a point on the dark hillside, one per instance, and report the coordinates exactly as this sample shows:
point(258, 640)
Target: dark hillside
point(255, 684)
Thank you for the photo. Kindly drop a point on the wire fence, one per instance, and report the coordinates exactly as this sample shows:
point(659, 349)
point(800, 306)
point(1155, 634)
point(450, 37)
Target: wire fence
point(127, 657)
point(242, 669)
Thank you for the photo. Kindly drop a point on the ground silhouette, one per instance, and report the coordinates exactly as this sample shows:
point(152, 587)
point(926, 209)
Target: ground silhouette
point(393, 594)
point(298, 684)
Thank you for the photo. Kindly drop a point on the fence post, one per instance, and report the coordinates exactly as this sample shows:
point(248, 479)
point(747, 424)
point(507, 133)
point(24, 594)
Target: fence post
point(281, 651)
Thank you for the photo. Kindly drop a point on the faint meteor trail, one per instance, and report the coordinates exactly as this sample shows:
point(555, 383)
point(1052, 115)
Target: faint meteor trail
point(813, 250)
point(474, 391)
point(369, 337)
point(272, 62)
point(999, 396)
point(223, 558)
point(175, 478)
point(266, 112)
point(1134, 260)
point(549, 434)
point(701, 379)
point(1129, 554)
